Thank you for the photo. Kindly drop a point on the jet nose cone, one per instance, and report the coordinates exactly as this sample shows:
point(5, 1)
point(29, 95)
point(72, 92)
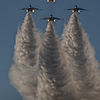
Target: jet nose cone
point(75, 6)
point(30, 6)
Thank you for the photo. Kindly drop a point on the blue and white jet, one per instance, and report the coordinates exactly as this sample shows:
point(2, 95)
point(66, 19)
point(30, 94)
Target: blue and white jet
point(51, 18)
point(30, 8)
point(76, 9)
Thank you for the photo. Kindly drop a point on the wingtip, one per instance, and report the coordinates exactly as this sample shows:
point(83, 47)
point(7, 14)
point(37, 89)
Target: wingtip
point(86, 10)
point(40, 9)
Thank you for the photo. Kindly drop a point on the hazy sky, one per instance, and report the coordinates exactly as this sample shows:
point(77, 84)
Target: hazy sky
point(11, 18)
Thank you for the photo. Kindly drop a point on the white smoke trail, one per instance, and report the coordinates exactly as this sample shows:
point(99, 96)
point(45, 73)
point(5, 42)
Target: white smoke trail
point(23, 73)
point(80, 58)
point(51, 75)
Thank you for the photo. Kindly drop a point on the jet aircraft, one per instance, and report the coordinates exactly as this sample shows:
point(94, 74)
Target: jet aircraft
point(51, 18)
point(76, 9)
point(51, 0)
point(30, 8)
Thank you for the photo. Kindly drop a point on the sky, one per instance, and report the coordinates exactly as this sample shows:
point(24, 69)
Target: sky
point(11, 18)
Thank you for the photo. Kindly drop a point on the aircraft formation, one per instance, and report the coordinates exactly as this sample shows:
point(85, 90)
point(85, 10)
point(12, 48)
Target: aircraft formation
point(51, 18)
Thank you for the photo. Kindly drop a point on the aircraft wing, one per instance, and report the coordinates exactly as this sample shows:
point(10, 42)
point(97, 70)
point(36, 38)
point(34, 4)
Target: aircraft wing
point(23, 9)
point(83, 9)
point(44, 18)
point(58, 18)
point(36, 9)
point(70, 9)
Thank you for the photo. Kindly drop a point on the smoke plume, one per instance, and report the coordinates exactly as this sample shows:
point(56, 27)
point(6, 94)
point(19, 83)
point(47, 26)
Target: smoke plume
point(80, 57)
point(51, 75)
point(23, 73)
